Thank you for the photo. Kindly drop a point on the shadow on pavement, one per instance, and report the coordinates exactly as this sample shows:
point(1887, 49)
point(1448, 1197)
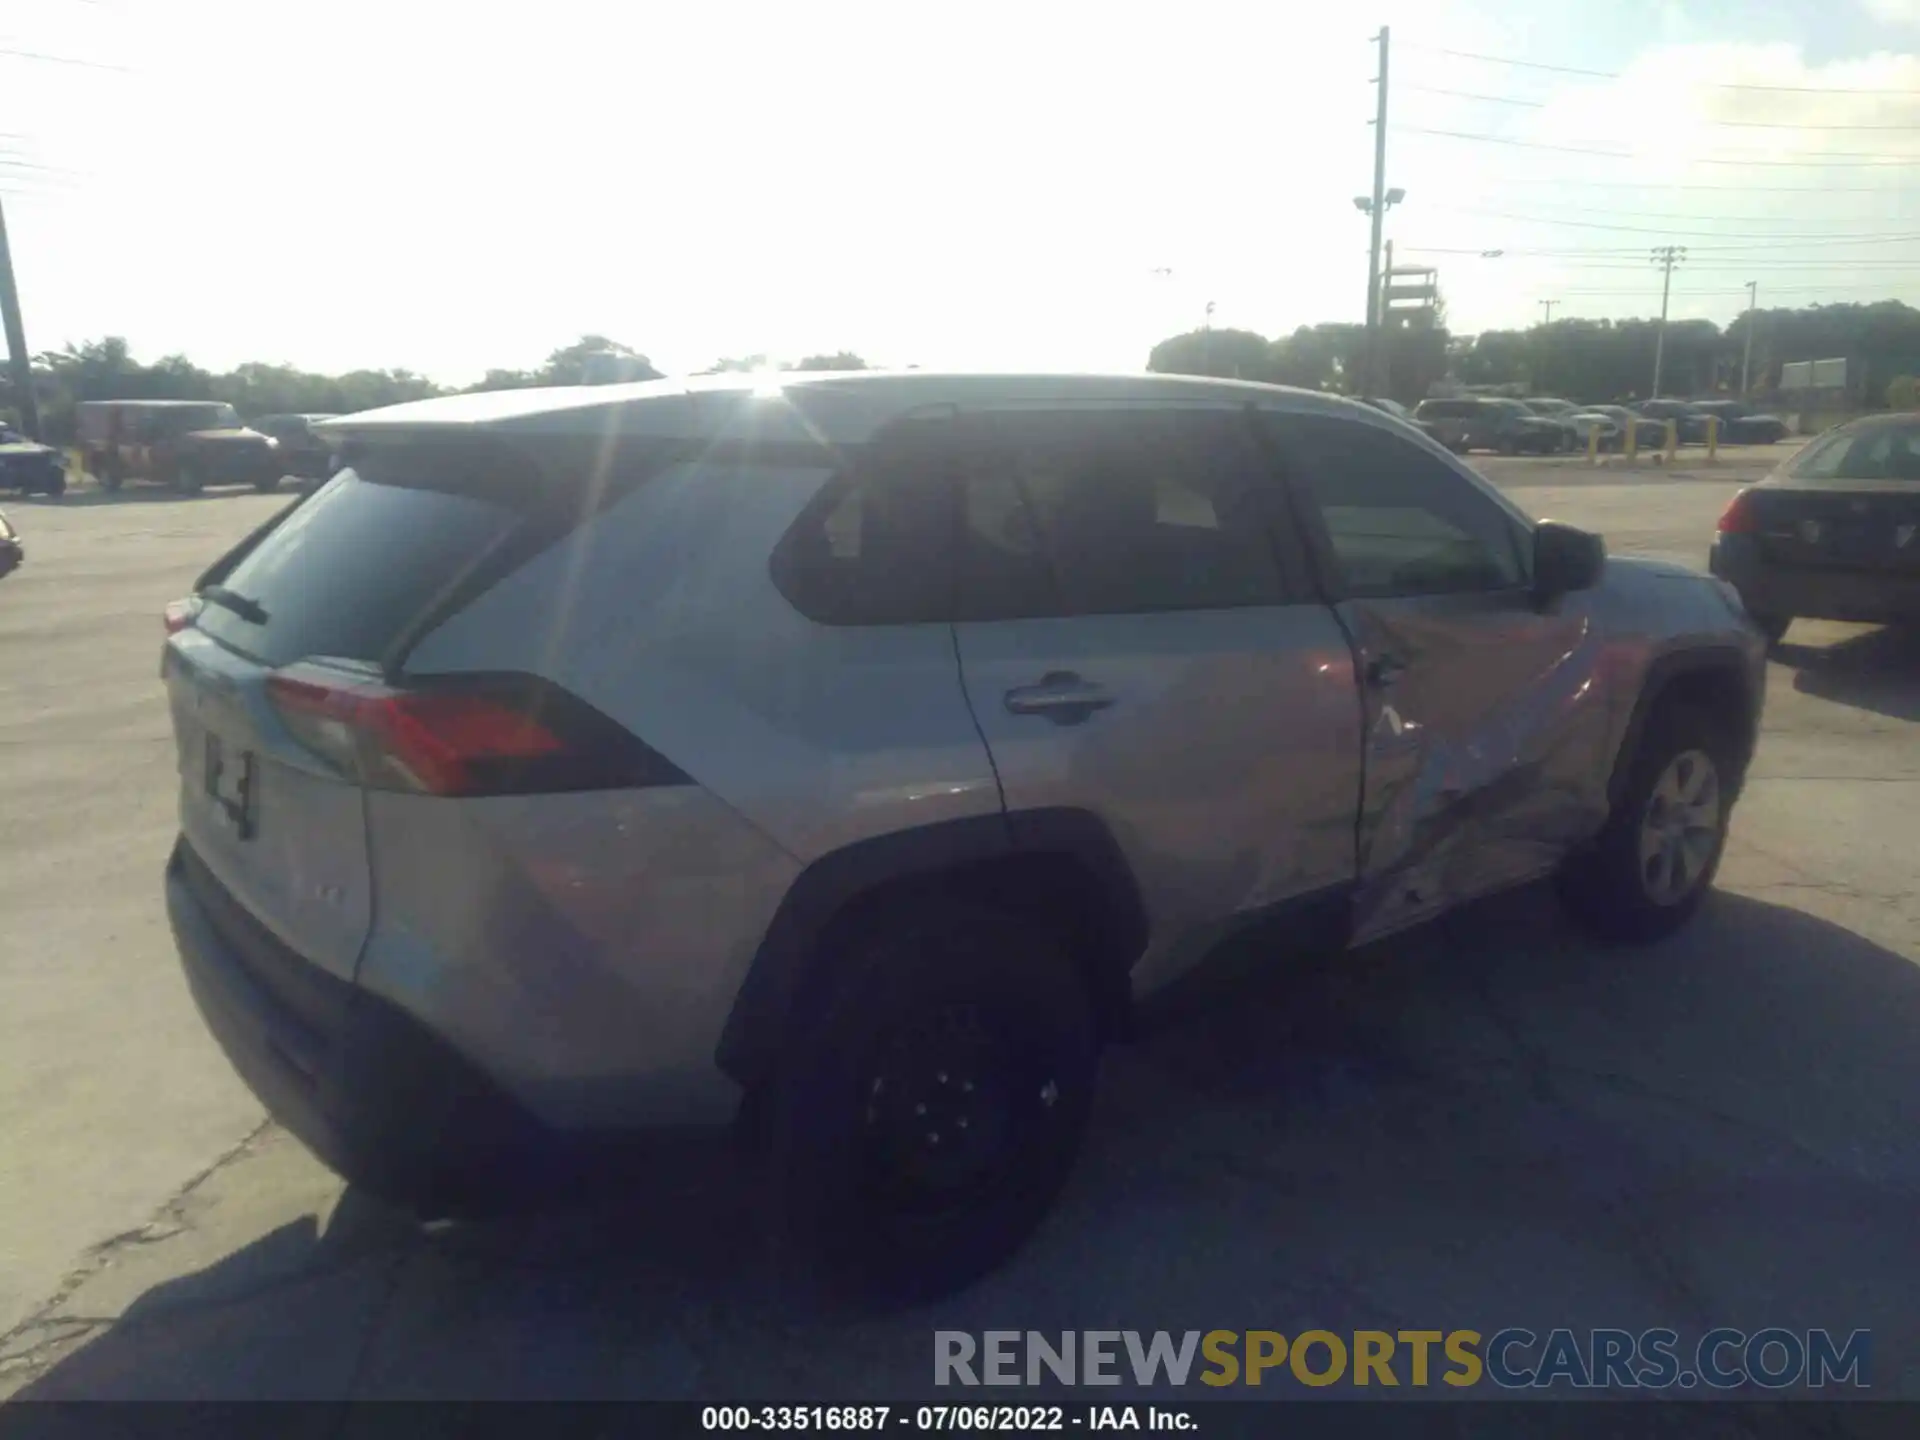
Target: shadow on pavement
point(1492, 1123)
point(1878, 671)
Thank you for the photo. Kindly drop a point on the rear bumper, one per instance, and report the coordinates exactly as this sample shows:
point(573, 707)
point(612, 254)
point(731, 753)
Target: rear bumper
point(1864, 596)
point(373, 1093)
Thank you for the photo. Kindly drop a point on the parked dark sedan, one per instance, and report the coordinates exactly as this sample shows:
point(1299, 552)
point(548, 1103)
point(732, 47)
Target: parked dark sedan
point(303, 455)
point(27, 468)
point(1485, 422)
point(1742, 426)
point(1398, 412)
point(1834, 533)
point(1690, 422)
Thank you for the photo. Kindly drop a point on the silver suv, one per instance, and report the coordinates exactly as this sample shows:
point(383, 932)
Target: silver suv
point(853, 758)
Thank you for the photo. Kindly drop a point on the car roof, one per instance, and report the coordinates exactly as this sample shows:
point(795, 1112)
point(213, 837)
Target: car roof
point(154, 404)
point(834, 406)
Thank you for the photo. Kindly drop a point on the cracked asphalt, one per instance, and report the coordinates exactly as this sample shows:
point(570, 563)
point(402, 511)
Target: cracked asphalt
point(1490, 1123)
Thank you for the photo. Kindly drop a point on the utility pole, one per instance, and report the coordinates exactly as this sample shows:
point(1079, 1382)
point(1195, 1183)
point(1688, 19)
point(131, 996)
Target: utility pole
point(1547, 305)
point(19, 366)
point(1378, 214)
point(1666, 257)
point(1746, 351)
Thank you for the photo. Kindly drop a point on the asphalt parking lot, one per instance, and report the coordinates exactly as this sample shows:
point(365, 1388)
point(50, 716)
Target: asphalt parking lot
point(1493, 1123)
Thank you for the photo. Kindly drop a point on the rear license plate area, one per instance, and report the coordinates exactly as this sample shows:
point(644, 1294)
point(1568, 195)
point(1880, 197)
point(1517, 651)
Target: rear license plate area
point(231, 779)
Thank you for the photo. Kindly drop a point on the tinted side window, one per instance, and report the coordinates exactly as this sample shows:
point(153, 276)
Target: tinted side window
point(1398, 520)
point(1112, 513)
point(875, 547)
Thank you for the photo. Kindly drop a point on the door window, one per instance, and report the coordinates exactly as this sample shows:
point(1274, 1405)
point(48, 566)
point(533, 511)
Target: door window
point(1110, 513)
point(1398, 520)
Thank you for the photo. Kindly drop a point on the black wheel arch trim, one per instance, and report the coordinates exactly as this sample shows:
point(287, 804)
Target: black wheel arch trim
point(775, 982)
point(1661, 673)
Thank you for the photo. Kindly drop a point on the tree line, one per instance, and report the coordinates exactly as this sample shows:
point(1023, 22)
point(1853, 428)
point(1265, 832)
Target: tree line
point(1594, 361)
point(107, 370)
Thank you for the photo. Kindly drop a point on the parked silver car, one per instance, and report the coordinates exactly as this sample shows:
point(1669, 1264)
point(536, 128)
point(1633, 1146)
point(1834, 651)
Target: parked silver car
point(855, 757)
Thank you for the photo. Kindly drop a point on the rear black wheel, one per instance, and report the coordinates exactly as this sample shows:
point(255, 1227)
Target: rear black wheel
point(925, 1119)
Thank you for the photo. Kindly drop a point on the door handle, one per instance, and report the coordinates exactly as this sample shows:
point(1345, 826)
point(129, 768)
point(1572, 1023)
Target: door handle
point(1062, 696)
point(1383, 670)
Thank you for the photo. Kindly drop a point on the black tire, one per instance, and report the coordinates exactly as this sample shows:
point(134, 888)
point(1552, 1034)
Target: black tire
point(1774, 627)
point(947, 1016)
point(55, 485)
point(267, 485)
point(1606, 886)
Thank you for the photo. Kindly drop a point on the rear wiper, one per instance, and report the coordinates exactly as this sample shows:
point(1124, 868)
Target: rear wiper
point(249, 610)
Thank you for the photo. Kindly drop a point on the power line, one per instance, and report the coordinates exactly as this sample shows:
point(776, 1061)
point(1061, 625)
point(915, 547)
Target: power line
point(60, 60)
point(1730, 124)
point(1616, 75)
point(1852, 160)
point(1541, 181)
point(1519, 64)
point(1667, 215)
point(1471, 95)
point(1872, 237)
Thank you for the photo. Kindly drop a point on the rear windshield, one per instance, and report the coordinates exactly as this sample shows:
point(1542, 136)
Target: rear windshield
point(351, 570)
point(1878, 452)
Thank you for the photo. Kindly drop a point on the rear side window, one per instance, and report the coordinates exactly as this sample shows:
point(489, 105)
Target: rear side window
point(350, 571)
point(875, 547)
point(1110, 512)
point(1880, 452)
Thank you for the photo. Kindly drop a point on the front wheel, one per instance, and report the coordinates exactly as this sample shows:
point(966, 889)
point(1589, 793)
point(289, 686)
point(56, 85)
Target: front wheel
point(1651, 866)
point(924, 1120)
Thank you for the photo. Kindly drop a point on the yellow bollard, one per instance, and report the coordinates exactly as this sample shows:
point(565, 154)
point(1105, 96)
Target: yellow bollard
point(1633, 441)
point(1673, 441)
point(1713, 437)
point(1593, 445)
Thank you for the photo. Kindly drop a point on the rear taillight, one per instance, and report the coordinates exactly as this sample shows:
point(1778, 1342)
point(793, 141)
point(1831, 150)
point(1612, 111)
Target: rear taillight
point(486, 735)
point(1740, 516)
point(179, 614)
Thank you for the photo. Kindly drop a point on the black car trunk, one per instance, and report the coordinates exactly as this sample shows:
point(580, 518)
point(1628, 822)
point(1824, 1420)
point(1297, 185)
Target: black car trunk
point(1870, 525)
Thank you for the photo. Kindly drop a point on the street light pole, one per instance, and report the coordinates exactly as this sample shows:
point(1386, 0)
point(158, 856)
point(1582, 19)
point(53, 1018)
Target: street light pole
point(1377, 212)
point(1666, 257)
point(19, 365)
point(1746, 350)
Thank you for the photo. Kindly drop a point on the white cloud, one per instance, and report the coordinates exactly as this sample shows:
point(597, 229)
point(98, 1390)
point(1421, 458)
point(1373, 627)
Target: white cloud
point(1893, 12)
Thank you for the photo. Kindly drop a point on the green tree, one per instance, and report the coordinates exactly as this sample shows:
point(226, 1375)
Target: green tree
point(1903, 393)
point(839, 360)
point(1231, 354)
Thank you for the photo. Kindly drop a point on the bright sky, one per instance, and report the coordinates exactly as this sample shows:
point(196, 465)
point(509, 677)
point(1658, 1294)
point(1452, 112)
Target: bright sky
point(452, 187)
